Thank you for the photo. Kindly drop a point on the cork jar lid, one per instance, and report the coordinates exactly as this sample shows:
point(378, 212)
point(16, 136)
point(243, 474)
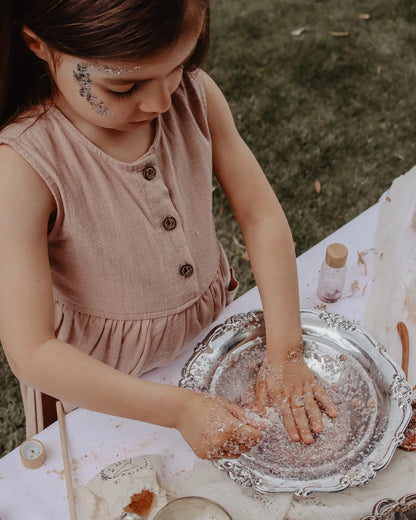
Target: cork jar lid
point(336, 255)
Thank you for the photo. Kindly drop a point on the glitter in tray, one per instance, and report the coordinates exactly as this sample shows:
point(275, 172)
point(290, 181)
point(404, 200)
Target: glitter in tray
point(277, 454)
point(369, 388)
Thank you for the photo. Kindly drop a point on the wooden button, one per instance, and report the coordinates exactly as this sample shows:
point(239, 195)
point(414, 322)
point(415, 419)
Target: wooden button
point(149, 173)
point(186, 270)
point(169, 223)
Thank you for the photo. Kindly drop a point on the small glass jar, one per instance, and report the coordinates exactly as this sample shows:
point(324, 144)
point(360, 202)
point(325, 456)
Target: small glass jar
point(333, 272)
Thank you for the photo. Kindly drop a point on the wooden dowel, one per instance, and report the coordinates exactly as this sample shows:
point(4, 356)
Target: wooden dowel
point(67, 466)
point(404, 338)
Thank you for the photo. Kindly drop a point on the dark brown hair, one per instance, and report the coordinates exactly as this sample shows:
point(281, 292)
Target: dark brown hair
point(89, 29)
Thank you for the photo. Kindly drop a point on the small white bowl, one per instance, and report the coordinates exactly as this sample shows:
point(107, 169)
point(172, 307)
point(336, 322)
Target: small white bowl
point(192, 508)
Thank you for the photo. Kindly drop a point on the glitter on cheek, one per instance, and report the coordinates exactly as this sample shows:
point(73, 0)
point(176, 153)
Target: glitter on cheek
point(83, 77)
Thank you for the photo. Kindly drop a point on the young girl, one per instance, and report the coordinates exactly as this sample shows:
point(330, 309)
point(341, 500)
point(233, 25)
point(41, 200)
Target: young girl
point(109, 261)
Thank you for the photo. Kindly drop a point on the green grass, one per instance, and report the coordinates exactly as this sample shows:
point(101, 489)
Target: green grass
point(12, 419)
point(317, 107)
point(335, 109)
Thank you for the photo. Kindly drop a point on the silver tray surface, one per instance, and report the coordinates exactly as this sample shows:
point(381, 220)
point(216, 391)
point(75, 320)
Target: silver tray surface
point(369, 388)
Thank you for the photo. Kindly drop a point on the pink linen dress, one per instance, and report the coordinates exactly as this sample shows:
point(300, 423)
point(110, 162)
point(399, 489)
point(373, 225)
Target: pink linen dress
point(136, 266)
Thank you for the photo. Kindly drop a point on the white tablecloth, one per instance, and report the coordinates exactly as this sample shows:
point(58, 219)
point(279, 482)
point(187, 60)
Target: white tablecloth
point(393, 296)
point(97, 440)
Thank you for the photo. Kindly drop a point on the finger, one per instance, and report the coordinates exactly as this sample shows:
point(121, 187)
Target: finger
point(228, 455)
point(221, 454)
point(247, 398)
point(247, 417)
point(248, 436)
point(301, 420)
point(289, 421)
point(256, 421)
point(261, 394)
point(236, 448)
point(325, 399)
point(231, 449)
point(314, 413)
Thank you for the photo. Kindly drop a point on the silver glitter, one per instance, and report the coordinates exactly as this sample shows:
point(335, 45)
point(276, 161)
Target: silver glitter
point(83, 77)
point(115, 71)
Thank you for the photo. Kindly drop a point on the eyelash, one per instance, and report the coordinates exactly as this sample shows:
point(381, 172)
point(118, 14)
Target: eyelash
point(129, 93)
point(123, 95)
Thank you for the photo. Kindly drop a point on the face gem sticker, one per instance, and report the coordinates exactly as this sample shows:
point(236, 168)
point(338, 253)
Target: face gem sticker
point(83, 77)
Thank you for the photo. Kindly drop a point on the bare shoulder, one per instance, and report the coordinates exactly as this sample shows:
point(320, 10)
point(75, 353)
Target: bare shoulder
point(26, 203)
point(212, 90)
point(207, 81)
point(20, 185)
point(220, 119)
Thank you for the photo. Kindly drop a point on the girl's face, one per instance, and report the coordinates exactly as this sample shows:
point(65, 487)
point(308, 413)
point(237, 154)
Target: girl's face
point(120, 95)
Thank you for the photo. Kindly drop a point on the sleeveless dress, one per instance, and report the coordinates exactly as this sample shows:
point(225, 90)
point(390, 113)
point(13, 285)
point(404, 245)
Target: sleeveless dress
point(136, 266)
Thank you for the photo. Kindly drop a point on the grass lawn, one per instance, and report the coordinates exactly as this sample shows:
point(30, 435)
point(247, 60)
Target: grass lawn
point(323, 93)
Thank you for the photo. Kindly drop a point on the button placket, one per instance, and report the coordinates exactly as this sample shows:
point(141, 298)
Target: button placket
point(163, 209)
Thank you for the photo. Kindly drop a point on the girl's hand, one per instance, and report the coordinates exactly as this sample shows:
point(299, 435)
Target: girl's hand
point(296, 391)
point(216, 428)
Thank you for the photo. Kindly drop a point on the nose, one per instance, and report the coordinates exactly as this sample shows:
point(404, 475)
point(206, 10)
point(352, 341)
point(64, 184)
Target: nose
point(156, 97)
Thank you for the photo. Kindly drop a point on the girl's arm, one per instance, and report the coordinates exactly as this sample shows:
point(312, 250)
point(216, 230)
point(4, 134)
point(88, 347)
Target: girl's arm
point(285, 378)
point(56, 368)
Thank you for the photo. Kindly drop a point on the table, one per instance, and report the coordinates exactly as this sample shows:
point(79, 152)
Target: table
point(96, 440)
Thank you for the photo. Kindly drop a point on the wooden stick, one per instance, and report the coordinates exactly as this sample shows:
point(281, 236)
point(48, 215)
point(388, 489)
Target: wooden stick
point(67, 466)
point(404, 338)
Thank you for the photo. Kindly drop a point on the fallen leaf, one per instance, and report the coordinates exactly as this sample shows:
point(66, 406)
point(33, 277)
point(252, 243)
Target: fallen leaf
point(388, 199)
point(318, 187)
point(301, 30)
point(364, 16)
point(399, 156)
point(339, 34)
point(378, 70)
point(237, 243)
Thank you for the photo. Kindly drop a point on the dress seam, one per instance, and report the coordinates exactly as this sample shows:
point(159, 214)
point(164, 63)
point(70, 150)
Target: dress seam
point(140, 317)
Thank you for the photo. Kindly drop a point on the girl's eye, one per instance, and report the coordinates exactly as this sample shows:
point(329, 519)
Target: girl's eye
point(123, 95)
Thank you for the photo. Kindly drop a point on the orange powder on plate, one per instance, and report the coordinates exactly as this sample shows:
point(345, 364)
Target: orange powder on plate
point(141, 503)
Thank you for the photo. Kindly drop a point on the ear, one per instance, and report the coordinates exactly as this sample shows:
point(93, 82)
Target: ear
point(35, 44)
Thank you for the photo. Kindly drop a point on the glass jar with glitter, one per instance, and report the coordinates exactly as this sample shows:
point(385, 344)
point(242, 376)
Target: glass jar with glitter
point(333, 273)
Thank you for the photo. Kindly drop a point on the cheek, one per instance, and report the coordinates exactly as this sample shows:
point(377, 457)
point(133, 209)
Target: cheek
point(120, 110)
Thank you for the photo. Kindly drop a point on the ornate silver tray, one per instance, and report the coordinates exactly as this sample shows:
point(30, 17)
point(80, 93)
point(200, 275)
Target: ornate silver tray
point(369, 388)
